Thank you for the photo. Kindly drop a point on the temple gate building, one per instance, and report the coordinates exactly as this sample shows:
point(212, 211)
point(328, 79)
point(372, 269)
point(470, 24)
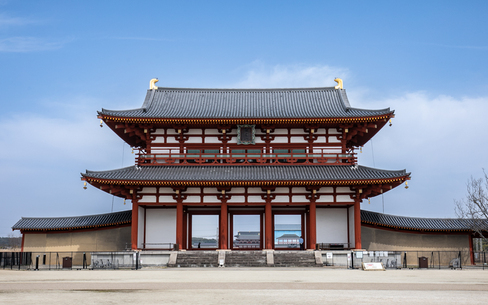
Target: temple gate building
point(212, 164)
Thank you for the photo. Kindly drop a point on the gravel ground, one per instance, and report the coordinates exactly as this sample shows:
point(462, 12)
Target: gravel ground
point(244, 286)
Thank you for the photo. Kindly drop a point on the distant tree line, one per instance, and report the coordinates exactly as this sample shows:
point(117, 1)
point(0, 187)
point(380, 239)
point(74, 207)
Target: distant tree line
point(10, 242)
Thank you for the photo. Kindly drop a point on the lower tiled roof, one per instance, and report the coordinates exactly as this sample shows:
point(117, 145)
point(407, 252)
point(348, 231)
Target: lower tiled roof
point(246, 173)
point(415, 223)
point(73, 223)
point(125, 217)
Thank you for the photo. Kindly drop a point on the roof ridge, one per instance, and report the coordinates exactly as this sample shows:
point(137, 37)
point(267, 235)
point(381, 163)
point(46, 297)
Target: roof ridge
point(242, 89)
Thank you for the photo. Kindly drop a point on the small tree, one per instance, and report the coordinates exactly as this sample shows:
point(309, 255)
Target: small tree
point(474, 207)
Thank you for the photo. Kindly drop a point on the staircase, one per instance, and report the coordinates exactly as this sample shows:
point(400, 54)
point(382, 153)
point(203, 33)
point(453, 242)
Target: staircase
point(245, 259)
point(196, 259)
point(295, 259)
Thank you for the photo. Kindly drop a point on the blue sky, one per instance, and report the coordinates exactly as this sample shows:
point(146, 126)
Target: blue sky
point(61, 61)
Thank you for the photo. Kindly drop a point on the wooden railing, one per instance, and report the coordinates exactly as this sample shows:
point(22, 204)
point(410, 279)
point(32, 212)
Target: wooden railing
point(247, 159)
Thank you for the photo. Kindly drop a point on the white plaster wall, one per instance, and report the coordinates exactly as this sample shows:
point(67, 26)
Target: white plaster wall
point(172, 140)
point(163, 199)
point(211, 199)
point(192, 190)
point(282, 190)
point(332, 226)
point(148, 199)
point(324, 190)
point(334, 139)
point(158, 140)
point(280, 140)
point(212, 131)
point(282, 199)
point(351, 227)
point(150, 190)
point(140, 227)
point(212, 140)
point(321, 139)
point(342, 189)
point(255, 190)
point(159, 131)
point(255, 199)
point(280, 131)
point(194, 131)
point(299, 198)
point(237, 199)
point(325, 198)
point(237, 190)
point(344, 198)
point(298, 140)
point(334, 131)
point(192, 199)
point(160, 226)
point(194, 140)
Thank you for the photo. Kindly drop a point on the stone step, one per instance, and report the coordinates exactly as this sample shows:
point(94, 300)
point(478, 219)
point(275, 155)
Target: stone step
point(295, 259)
point(245, 259)
point(196, 259)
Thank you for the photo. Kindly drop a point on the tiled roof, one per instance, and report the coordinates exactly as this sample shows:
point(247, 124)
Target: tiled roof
point(125, 217)
point(73, 223)
point(182, 103)
point(246, 173)
point(414, 223)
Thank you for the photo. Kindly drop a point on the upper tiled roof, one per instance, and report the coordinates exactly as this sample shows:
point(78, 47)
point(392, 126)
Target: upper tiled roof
point(181, 103)
point(245, 173)
point(414, 223)
point(77, 222)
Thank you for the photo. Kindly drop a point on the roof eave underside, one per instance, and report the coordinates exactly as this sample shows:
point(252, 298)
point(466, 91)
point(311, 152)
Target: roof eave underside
point(259, 175)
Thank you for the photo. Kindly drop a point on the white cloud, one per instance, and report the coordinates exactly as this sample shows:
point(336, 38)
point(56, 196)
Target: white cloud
point(29, 44)
point(260, 75)
point(6, 21)
point(439, 139)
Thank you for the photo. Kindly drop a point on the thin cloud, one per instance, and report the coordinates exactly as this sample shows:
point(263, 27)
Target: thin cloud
point(483, 48)
point(29, 44)
point(6, 21)
point(141, 38)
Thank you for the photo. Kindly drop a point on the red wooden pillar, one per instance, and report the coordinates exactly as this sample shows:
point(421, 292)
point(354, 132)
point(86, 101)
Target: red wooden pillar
point(357, 224)
point(312, 226)
point(471, 253)
point(134, 225)
point(179, 224)
point(268, 231)
point(223, 226)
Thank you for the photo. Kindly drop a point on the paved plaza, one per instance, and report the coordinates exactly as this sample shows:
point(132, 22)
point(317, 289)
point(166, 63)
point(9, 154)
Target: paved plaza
point(244, 286)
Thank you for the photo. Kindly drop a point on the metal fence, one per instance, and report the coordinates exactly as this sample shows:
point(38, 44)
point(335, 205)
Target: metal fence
point(346, 258)
point(421, 259)
point(69, 260)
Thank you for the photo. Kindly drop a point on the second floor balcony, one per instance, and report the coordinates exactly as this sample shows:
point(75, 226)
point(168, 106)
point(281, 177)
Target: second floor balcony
point(247, 157)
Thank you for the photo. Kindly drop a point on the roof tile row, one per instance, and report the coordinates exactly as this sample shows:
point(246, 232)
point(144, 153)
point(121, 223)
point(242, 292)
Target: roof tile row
point(180, 103)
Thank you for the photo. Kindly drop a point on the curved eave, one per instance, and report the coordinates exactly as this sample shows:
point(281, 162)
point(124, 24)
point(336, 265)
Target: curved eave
point(99, 181)
point(254, 121)
point(115, 224)
point(402, 228)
